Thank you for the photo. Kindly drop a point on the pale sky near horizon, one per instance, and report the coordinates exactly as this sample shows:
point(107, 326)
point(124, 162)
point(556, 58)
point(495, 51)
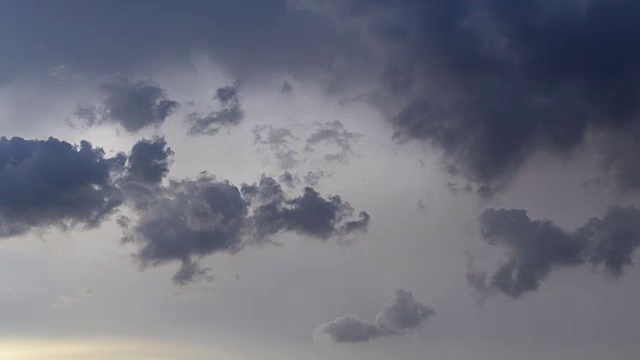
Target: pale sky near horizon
point(309, 179)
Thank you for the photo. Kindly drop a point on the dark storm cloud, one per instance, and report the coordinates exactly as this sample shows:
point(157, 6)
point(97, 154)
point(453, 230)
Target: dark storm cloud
point(536, 247)
point(491, 82)
point(50, 182)
point(190, 219)
point(230, 113)
point(403, 315)
point(333, 133)
point(104, 37)
point(132, 105)
point(149, 161)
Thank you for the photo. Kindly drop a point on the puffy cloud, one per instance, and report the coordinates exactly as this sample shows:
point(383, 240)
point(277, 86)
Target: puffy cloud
point(230, 113)
point(400, 317)
point(149, 161)
point(50, 182)
point(190, 219)
point(309, 214)
point(132, 105)
point(536, 247)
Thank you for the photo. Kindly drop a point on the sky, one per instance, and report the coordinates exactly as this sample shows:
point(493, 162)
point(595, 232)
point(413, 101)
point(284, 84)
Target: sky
point(319, 179)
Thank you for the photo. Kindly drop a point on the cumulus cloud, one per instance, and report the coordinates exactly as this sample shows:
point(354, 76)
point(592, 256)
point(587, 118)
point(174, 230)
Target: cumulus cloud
point(402, 316)
point(132, 105)
point(149, 161)
point(230, 113)
point(536, 247)
point(50, 182)
point(190, 219)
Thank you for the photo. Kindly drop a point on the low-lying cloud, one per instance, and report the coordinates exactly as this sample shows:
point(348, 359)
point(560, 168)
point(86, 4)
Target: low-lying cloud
point(400, 317)
point(535, 248)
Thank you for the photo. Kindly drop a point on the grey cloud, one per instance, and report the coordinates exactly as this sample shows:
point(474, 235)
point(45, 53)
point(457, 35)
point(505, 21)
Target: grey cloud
point(149, 161)
point(350, 329)
point(309, 214)
point(400, 317)
point(132, 105)
point(122, 36)
point(286, 88)
point(313, 177)
point(230, 113)
point(278, 141)
point(489, 83)
point(333, 132)
point(191, 219)
point(536, 247)
point(289, 179)
point(50, 182)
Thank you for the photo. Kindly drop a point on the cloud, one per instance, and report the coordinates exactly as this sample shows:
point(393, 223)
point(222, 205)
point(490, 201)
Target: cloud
point(402, 316)
point(286, 88)
point(132, 105)
point(333, 133)
point(278, 141)
point(68, 301)
point(190, 219)
point(490, 83)
point(230, 113)
point(536, 247)
point(289, 179)
point(50, 182)
point(309, 214)
point(313, 177)
point(149, 161)
point(273, 37)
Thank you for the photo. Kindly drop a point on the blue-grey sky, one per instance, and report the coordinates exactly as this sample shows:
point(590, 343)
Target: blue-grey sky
point(319, 179)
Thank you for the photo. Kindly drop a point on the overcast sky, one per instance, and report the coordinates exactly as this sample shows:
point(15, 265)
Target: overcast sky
point(319, 179)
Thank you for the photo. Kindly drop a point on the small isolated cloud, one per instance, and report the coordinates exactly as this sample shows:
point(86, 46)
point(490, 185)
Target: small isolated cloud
point(289, 180)
point(50, 182)
point(402, 316)
point(312, 178)
point(333, 133)
point(68, 301)
point(286, 88)
point(277, 140)
point(132, 105)
point(229, 114)
point(535, 248)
